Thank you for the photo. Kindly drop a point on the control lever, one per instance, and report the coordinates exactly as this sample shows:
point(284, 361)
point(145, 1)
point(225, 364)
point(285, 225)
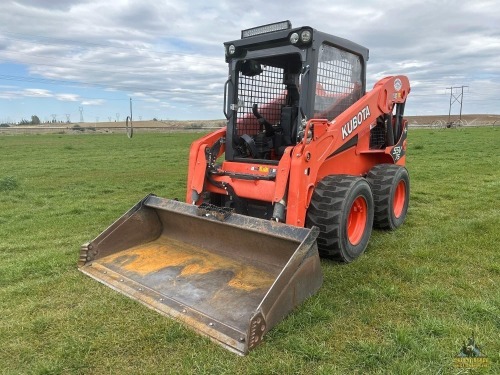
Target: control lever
point(262, 121)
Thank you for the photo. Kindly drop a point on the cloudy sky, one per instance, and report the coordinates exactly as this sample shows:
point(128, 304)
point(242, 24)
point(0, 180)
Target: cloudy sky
point(66, 58)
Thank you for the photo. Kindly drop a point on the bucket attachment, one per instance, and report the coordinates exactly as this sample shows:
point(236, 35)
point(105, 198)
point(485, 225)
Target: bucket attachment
point(228, 276)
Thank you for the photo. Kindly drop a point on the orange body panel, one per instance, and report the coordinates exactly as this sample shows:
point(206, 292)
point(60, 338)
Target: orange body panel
point(331, 150)
point(197, 163)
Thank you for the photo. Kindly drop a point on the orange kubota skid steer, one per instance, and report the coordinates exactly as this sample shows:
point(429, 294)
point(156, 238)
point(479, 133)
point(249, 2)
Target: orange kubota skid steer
point(308, 163)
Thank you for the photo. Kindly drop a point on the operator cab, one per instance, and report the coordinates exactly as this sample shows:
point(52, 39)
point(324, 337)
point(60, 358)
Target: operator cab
point(268, 104)
point(278, 78)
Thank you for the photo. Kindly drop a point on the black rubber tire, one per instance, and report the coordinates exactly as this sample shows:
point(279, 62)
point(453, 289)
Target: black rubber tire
point(384, 180)
point(329, 210)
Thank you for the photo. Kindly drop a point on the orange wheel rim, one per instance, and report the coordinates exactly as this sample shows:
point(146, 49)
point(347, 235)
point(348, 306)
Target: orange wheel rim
point(357, 220)
point(399, 200)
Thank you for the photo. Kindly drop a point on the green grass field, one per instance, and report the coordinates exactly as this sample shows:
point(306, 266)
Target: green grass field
point(405, 307)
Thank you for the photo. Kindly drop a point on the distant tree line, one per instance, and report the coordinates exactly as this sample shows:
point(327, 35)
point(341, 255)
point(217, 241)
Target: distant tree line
point(35, 120)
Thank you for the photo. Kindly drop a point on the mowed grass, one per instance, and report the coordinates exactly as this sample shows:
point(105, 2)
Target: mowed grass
point(404, 307)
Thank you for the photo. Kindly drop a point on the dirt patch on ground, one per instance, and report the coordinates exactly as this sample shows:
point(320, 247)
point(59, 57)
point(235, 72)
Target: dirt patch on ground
point(472, 120)
point(200, 124)
point(467, 120)
point(209, 125)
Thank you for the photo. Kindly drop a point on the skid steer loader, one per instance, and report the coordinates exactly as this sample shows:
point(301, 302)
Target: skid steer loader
point(307, 164)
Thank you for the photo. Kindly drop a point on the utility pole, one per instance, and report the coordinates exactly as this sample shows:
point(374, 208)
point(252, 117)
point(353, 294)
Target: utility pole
point(81, 114)
point(456, 98)
point(128, 122)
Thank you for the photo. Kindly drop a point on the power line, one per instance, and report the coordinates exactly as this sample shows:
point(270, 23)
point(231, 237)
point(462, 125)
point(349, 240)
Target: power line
point(86, 62)
point(75, 64)
point(83, 83)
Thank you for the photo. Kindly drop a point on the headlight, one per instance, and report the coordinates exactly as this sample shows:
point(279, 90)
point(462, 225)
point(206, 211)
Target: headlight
point(294, 38)
point(231, 49)
point(305, 36)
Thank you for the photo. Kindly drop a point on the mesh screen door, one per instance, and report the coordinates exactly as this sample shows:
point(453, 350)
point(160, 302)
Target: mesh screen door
point(338, 82)
point(268, 91)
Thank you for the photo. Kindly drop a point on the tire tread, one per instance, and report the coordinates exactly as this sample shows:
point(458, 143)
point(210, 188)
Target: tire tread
point(381, 178)
point(325, 212)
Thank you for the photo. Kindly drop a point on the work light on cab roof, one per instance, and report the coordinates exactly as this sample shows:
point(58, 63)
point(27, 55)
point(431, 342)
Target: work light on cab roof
point(265, 29)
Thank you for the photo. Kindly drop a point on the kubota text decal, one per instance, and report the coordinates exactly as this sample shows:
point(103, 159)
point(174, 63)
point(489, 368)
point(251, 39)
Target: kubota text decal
point(356, 121)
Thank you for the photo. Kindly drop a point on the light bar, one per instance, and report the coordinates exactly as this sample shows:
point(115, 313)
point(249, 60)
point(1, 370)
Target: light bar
point(271, 28)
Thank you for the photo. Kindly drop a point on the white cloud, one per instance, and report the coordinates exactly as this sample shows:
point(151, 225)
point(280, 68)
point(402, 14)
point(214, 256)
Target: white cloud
point(93, 102)
point(171, 51)
point(67, 97)
point(8, 95)
point(38, 93)
point(26, 93)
